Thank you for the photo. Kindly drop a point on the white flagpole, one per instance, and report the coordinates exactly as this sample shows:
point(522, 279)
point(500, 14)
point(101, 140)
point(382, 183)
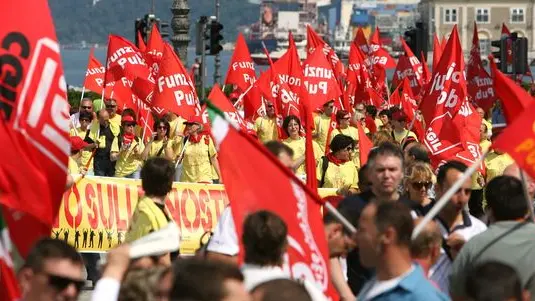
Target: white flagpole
point(446, 196)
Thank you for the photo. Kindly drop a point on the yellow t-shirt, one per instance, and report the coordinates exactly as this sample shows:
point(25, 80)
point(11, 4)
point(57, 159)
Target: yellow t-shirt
point(399, 136)
point(266, 129)
point(353, 133)
point(177, 127)
point(496, 164)
point(86, 155)
point(378, 123)
point(116, 120)
point(485, 145)
point(196, 165)
point(338, 176)
point(298, 146)
point(321, 124)
point(129, 161)
point(147, 218)
point(73, 167)
point(156, 145)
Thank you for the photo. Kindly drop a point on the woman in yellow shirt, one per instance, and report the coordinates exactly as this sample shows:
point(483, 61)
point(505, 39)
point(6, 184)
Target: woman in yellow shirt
point(337, 170)
point(292, 127)
point(343, 118)
point(126, 149)
point(475, 204)
point(82, 132)
point(198, 153)
point(160, 145)
point(77, 146)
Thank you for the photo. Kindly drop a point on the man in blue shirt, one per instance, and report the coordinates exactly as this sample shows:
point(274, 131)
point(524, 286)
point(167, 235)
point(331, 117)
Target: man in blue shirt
point(384, 239)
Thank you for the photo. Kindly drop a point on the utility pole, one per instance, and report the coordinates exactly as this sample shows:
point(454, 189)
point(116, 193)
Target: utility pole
point(217, 60)
point(201, 50)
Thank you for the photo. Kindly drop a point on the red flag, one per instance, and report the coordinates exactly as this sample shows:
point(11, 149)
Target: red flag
point(479, 81)
point(513, 97)
point(124, 59)
point(509, 51)
point(218, 98)
point(250, 191)
point(381, 57)
point(314, 41)
point(142, 47)
point(144, 119)
point(405, 70)
point(319, 80)
point(175, 91)
point(426, 74)
point(241, 68)
point(121, 91)
point(395, 100)
point(35, 120)
point(94, 76)
point(409, 107)
point(154, 50)
point(252, 103)
point(365, 145)
point(445, 107)
point(437, 51)
point(415, 65)
point(518, 140)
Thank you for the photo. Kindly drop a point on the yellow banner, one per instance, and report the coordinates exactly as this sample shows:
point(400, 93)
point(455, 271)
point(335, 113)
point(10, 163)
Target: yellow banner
point(94, 215)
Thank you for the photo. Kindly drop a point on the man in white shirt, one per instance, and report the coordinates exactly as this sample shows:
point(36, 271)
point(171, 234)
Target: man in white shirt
point(456, 225)
point(85, 105)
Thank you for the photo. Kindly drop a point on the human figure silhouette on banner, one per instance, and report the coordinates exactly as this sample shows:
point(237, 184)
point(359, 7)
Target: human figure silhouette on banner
point(100, 238)
point(91, 238)
point(110, 238)
point(84, 244)
point(56, 234)
point(66, 236)
point(119, 237)
point(77, 239)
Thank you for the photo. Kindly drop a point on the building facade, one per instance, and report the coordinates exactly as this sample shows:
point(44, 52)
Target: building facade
point(442, 15)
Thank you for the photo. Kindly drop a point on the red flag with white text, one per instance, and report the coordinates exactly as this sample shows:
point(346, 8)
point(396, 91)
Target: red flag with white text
point(34, 125)
point(404, 69)
point(416, 66)
point(319, 80)
point(479, 81)
point(175, 91)
point(94, 75)
point(154, 50)
point(241, 70)
point(250, 191)
point(314, 41)
point(220, 100)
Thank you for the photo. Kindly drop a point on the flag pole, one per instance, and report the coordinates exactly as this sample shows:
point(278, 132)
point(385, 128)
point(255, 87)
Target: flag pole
point(181, 156)
point(446, 196)
point(340, 218)
point(526, 194)
point(240, 98)
point(147, 118)
point(409, 129)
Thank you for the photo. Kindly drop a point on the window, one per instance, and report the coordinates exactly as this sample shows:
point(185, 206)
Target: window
point(450, 15)
point(482, 15)
point(517, 15)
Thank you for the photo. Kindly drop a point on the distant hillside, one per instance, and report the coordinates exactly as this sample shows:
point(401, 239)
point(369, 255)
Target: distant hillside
point(78, 20)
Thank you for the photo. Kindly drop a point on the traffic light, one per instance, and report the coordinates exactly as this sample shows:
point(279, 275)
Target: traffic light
point(201, 36)
point(520, 55)
point(162, 27)
point(417, 39)
point(140, 27)
point(215, 37)
point(501, 54)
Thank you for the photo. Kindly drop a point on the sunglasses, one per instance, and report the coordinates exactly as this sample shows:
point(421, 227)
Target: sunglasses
point(87, 107)
point(84, 119)
point(270, 106)
point(111, 106)
point(420, 185)
point(129, 124)
point(162, 127)
point(349, 148)
point(60, 283)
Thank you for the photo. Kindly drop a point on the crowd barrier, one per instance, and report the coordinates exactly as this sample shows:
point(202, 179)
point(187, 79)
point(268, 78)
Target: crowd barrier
point(94, 214)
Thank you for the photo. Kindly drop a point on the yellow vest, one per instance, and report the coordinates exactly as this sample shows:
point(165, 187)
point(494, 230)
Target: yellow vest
point(146, 218)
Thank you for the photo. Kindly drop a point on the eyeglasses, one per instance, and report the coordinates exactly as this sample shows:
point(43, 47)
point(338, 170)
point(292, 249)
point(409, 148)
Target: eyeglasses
point(60, 283)
point(420, 185)
point(129, 124)
point(111, 106)
point(162, 128)
point(85, 120)
point(87, 107)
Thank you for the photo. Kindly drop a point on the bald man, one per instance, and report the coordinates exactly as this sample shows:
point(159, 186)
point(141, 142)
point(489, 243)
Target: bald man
point(425, 248)
point(514, 171)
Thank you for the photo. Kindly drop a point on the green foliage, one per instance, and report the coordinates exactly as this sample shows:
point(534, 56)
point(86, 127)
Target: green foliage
point(79, 20)
point(74, 97)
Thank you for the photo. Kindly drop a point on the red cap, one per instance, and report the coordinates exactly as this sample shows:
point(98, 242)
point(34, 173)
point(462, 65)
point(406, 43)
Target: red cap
point(194, 119)
point(77, 143)
point(127, 118)
point(399, 116)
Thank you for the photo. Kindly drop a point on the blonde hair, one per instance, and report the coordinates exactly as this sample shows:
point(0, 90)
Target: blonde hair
point(418, 172)
point(142, 284)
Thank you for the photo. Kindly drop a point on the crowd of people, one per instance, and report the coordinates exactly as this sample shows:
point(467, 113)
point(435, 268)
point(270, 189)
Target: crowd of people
point(479, 246)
